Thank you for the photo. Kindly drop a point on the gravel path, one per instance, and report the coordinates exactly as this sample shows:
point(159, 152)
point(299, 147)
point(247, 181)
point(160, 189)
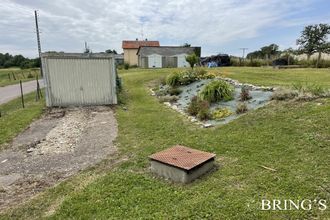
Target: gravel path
point(11, 92)
point(53, 148)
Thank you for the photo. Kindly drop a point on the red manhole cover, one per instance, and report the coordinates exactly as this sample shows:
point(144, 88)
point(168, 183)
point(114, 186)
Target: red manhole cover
point(182, 157)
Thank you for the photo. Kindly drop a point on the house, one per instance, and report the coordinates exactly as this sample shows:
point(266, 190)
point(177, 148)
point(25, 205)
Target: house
point(130, 48)
point(165, 56)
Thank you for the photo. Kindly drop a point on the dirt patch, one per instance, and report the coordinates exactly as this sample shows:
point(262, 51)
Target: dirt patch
point(61, 143)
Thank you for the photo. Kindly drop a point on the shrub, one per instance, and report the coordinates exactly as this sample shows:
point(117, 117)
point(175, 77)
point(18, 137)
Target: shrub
point(174, 91)
point(221, 113)
point(284, 94)
point(173, 79)
point(200, 72)
point(203, 114)
point(241, 108)
point(199, 108)
point(316, 90)
point(187, 77)
point(168, 98)
point(217, 90)
point(126, 66)
point(245, 94)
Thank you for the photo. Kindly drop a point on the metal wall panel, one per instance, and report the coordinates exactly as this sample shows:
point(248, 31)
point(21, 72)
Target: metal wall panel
point(80, 81)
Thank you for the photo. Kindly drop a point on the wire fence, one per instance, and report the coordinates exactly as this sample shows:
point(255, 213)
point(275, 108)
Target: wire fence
point(23, 97)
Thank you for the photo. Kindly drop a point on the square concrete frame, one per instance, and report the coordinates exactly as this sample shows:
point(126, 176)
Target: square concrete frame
point(181, 164)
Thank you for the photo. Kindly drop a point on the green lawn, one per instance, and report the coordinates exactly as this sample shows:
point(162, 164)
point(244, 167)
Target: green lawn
point(270, 76)
point(14, 118)
point(13, 75)
point(291, 137)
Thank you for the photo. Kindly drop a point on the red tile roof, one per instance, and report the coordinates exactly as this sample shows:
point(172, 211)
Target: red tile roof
point(135, 44)
point(182, 157)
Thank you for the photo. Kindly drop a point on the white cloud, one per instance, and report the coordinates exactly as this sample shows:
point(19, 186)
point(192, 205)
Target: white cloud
point(66, 24)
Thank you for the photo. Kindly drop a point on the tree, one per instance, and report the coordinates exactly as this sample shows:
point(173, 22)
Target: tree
point(186, 45)
point(111, 51)
point(314, 39)
point(264, 52)
point(288, 54)
point(192, 59)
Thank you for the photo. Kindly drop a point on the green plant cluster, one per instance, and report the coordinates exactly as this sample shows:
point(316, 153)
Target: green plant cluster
point(187, 77)
point(217, 90)
point(221, 113)
point(199, 108)
point(241, 108)
point(166, 90)
point(314, 89)
point(245, 94)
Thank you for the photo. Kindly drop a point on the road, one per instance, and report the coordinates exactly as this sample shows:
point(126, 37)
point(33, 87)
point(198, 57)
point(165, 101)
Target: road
point(10, 92)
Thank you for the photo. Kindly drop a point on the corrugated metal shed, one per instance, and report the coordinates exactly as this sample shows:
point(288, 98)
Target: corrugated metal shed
point(79, 79)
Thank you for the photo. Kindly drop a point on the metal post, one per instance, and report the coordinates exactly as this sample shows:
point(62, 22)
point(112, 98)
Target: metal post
point(22, 96)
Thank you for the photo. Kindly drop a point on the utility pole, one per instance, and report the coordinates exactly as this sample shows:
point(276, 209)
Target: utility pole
point(243, 50)
point(38, 40)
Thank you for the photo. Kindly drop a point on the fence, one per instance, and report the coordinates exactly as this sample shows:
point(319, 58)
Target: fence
point(16, 96)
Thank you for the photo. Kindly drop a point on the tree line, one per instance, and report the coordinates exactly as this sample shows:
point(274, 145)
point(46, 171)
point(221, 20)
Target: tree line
point(313, 39)
point(7, 60)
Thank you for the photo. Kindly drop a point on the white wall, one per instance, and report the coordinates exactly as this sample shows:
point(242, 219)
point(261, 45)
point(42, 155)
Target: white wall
point(182, 60)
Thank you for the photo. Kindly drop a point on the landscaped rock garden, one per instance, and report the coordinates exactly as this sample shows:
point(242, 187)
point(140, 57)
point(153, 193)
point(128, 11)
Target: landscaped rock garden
point(209, 99)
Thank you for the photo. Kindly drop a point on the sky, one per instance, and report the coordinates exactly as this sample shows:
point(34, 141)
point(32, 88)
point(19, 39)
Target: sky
point(218, 26)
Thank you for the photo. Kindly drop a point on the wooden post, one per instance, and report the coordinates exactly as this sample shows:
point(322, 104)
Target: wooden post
point(13, 75)
point(38, 89)
point(22, 96)
point(9, 76)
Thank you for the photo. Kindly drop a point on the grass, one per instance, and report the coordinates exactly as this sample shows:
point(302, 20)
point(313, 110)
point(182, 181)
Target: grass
point(19, 74)
point(291, 137)
point(284, 77)
point(14, 118)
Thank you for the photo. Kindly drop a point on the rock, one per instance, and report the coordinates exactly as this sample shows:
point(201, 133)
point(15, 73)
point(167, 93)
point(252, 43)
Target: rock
point(30, 150)
point(193, 120)
point(207, 125)
point(124, 108)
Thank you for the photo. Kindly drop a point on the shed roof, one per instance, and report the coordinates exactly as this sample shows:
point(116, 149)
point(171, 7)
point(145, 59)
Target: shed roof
point(165, 50)
point(135, 44)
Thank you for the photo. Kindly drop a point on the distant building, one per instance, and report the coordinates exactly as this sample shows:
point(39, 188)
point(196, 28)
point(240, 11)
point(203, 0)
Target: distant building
point(165, 56)
point(130, 48)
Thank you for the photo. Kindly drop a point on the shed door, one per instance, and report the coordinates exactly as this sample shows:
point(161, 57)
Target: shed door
point(154, 61)
point(182, 60)
point(80, 81)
